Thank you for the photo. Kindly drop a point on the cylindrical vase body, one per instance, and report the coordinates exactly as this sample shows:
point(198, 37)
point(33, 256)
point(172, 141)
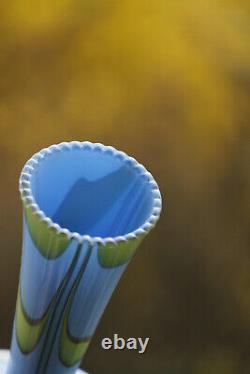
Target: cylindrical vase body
point(86, 208)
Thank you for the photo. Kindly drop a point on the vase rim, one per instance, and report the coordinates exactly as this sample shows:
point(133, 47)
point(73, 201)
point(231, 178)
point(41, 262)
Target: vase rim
point(29, 199)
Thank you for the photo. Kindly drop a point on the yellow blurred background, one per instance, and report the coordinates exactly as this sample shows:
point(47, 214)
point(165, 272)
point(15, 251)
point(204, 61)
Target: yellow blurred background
point(169, 83)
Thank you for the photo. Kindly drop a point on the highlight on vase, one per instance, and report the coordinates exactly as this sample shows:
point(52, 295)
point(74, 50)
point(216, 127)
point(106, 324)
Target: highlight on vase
point(86, 208)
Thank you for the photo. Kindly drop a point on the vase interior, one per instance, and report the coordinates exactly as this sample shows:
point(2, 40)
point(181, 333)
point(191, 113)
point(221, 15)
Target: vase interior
point(92, 192)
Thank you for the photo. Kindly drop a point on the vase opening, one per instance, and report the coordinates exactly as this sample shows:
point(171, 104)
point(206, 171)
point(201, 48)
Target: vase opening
point(93, 191)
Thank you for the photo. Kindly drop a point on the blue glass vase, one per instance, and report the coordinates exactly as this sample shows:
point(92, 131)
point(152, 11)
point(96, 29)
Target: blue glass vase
point(86, 209)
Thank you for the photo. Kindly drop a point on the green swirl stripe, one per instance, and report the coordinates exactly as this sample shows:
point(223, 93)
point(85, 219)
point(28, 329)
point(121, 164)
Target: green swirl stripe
point(47, 240)
point(28, 330)
point(72, 349)
point(113, 255)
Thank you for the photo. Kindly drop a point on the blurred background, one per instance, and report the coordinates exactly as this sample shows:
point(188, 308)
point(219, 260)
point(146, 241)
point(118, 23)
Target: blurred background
point(169, 83)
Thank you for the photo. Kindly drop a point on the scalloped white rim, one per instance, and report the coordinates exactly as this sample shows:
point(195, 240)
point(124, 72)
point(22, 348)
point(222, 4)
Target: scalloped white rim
point(29, 201)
